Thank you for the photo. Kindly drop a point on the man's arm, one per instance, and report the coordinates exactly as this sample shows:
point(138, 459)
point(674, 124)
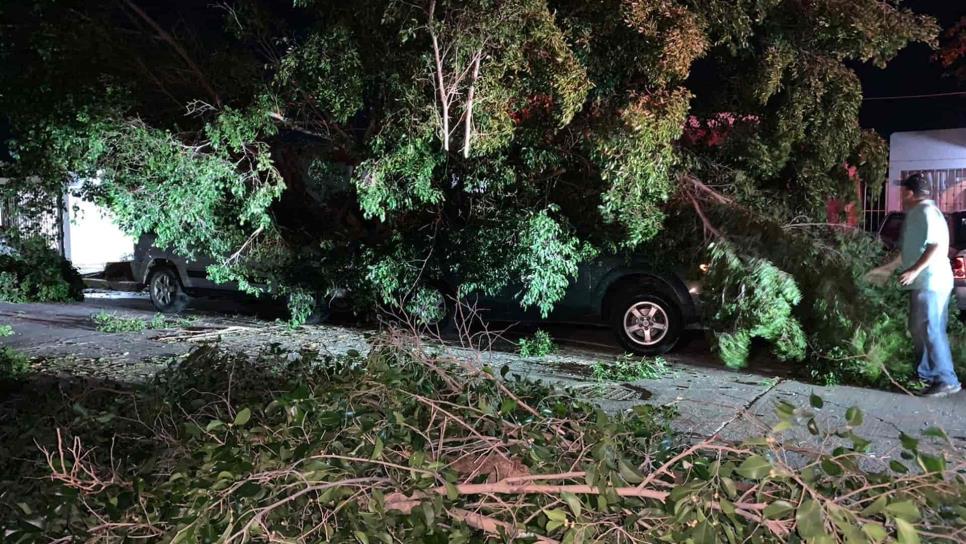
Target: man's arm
point(880, 275)
point(909, 276)
point(892, 265)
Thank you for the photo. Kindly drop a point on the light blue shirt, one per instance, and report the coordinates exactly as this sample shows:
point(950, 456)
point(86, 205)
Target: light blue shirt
point(925, 225)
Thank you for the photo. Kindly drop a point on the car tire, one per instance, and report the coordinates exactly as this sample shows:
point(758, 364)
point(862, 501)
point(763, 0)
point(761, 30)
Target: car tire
point(167, 293)
point(646, 323)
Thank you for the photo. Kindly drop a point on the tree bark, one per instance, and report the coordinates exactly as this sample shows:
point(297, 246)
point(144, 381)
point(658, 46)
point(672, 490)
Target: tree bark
point(468, 132)
point(441, 86)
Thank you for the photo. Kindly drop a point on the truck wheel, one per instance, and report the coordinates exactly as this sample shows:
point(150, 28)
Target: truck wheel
point(167, 294)
point(646, 323)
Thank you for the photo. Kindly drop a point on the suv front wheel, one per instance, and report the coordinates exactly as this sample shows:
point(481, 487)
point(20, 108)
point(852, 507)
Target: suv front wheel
point(166, 292)
point(645, 323)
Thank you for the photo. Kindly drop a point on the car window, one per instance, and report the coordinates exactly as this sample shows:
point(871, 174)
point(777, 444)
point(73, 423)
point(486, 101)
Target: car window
point(958, 231)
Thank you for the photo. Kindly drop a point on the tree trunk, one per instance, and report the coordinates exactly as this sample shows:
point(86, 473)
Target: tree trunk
point(468, 132)
point(441, 86)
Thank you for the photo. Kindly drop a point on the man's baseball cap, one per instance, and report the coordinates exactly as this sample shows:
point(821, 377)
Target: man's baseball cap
point(917, 183)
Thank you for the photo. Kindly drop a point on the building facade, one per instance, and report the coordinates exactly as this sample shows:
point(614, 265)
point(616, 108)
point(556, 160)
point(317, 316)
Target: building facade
point(940, 155)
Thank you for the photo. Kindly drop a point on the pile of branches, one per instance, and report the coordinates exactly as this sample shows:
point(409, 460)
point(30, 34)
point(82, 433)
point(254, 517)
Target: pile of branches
point(32, 271)
point(399, 446)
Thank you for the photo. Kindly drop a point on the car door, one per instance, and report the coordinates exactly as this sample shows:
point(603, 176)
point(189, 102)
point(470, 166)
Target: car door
point(576, 304)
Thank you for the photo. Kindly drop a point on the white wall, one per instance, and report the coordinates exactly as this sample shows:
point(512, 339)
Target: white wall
point(94, 238)
point(930, 150)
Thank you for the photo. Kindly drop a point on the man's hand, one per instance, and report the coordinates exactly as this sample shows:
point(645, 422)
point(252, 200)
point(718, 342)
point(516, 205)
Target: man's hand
point(909, 276)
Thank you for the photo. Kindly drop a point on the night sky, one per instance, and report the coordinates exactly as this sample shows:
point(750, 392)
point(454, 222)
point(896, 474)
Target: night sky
point(913, 72)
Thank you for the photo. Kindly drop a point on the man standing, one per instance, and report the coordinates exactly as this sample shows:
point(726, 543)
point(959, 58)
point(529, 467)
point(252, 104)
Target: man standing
point(929, 278)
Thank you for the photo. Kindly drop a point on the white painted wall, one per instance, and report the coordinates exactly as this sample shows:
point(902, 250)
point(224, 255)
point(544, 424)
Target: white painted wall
point(94, 238)
point(928, 150)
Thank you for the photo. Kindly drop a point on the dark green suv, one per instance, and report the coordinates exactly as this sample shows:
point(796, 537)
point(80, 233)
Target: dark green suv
point(647, 308)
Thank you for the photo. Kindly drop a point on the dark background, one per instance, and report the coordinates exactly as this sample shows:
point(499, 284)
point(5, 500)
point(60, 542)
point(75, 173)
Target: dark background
point(914, 72)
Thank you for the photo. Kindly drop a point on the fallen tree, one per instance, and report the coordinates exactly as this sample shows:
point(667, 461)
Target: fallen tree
point(398, 446)
point(384, 145)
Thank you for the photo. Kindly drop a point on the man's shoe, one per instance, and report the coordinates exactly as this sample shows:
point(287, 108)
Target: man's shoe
point(939, 390)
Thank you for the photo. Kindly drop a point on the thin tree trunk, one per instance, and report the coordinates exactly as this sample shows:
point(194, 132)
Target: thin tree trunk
point(438, 58)
point(468, 132)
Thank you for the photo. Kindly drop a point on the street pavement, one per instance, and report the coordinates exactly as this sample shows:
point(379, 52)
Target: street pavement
point(710, 400)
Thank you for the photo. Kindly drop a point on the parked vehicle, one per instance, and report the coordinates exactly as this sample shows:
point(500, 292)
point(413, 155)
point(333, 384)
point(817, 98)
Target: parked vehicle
point(891, 230)
point(647, 308)
point(170, 278)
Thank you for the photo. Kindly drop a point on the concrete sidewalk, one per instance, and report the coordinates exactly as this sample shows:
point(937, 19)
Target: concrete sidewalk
point(711, 400)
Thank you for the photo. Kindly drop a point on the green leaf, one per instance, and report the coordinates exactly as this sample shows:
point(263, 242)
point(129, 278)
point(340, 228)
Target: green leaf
point(377, 449)
point(556, 515)
point(854, 416)
point(452, 492)
point(573, 502)
point(816, 401)
point(628, 474)
point(755, 467)
point(186, 534)
point(704, 533)
point(831, 467)
point(877, 506)
point(908, 442)
point(859, 443)
point(875, 532)
point(898, 467)
point(809, 519)
point(906, 510)
point(782, 426)
point(242, 417)
point(778, 509)
point(729, 486)
point(936, 432)
point(907, 534)
point(361, 537)
point(429, 514)
point(931, 463)
point(784, 409)
point(214, 424)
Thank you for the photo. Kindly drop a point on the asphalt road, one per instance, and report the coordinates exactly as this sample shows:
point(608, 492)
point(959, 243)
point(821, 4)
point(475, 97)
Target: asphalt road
point(710, 399)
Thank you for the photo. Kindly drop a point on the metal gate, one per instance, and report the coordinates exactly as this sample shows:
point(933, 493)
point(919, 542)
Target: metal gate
point(874, 208)
point(49, 224)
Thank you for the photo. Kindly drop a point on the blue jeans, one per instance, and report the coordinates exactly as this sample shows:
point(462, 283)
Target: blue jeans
point(928, 318)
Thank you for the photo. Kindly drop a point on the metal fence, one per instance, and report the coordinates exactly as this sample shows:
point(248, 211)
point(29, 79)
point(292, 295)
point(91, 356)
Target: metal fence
point(874, 207)
point(948, 187)
point(49, 224)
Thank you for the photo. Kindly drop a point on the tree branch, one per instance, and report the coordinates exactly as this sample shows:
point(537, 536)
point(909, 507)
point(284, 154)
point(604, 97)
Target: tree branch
point(165, 36)
point(468, 133)
point(437, 57)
